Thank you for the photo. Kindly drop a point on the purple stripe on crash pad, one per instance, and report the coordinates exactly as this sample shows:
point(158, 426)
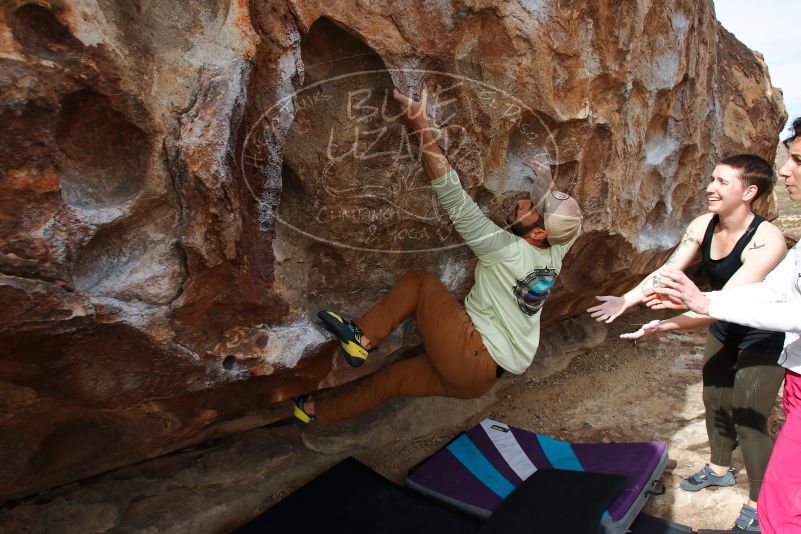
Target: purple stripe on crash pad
point(444, 474)
point(635, 461)
point(481, 440)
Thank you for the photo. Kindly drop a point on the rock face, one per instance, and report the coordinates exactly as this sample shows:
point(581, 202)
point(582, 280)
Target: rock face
point(183, 184)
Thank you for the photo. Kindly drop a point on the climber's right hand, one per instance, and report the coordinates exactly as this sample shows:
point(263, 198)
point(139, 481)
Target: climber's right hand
point(414, 110)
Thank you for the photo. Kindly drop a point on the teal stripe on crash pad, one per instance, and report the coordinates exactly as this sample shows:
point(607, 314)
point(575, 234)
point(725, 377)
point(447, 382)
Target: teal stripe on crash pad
point(474, 461)
point(559, 454)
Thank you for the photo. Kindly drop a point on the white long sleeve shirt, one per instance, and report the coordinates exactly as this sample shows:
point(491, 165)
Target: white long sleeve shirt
point(773, 304)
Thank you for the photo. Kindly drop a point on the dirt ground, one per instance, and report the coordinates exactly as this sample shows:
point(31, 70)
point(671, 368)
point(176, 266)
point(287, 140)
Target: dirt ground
point(620, 391)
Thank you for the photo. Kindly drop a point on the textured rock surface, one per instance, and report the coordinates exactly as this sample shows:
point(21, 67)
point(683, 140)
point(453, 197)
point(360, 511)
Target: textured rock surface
point(620, 391)
point(171, 217)
point(222, 485)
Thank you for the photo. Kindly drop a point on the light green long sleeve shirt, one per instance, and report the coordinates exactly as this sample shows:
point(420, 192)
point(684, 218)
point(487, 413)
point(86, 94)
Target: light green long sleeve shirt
point(512, 279)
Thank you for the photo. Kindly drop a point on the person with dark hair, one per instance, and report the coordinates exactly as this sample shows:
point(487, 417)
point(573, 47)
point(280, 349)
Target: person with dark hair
point(741, 376)
point(775, 305)
point(466, 347)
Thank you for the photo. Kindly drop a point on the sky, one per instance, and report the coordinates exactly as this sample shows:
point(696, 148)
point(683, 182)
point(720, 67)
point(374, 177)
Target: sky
point(772, 28)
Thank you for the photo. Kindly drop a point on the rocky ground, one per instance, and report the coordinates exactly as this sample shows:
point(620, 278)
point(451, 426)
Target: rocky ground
point(618, 391)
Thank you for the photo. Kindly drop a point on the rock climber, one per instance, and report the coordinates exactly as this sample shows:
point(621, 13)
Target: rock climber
point(466, 347)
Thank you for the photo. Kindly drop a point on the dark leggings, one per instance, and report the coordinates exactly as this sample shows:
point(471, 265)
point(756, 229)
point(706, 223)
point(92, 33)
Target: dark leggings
point(740, 387)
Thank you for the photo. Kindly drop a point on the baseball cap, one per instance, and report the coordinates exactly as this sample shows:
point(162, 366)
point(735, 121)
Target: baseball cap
point(560, 212)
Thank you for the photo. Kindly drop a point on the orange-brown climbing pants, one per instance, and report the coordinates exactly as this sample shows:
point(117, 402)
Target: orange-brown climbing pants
point(455, 362)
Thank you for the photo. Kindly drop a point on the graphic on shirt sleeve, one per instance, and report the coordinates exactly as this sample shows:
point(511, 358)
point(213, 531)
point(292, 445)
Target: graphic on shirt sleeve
point(532, 291)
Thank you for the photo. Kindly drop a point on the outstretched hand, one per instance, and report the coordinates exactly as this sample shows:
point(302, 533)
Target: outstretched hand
point(610, 308)
point(655, 301)
point(678, 287)
point(414, 110)
point(645, 330)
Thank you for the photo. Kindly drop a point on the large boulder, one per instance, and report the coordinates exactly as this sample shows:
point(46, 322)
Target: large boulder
point(183, 184)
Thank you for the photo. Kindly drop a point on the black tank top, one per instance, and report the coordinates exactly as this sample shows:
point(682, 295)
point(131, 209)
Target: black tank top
point(719, 272)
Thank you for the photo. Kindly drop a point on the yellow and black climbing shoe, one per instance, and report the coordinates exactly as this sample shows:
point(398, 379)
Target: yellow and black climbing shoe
point(349, 337)
point(300, 413)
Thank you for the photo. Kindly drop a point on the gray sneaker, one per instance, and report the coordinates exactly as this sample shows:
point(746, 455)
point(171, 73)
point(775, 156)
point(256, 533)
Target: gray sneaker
point(747, 522)
point(706, 477)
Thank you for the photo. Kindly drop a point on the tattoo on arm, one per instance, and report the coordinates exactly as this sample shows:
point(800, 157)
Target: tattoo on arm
point(688, 239)
point(651, 283)
point(754, 246)
point(672, 259)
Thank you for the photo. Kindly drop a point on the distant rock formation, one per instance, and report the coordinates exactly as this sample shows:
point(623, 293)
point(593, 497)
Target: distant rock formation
point(183, 184)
